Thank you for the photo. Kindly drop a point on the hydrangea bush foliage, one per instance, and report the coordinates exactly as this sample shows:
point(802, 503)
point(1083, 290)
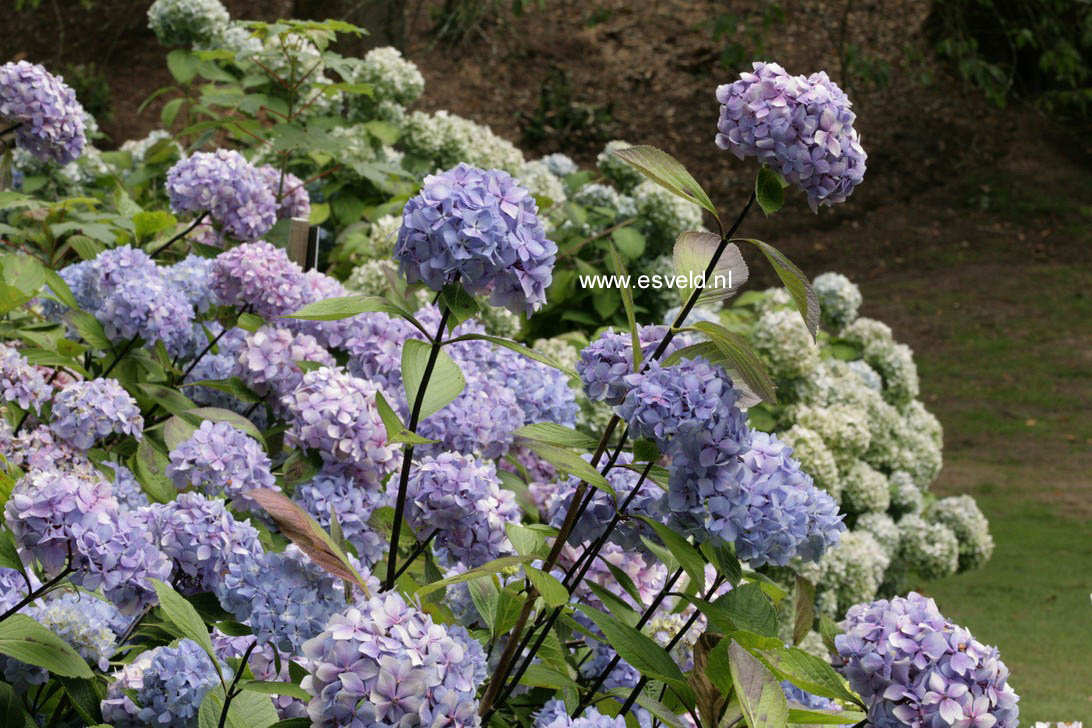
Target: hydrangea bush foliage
point(238, 490)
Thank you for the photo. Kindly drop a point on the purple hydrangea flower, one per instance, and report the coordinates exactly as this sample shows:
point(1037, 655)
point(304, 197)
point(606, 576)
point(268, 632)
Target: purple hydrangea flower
point(542, 392)
point(481, 226)
point(284, 597)
point(482, 419)
point(318, 286)
point(353, 502)
point(174, 684)
point(802, 126)
point(219, 458)
point(374, 344)
point(335, 414)
point(555, 715)
point(201, 537)
point(118, 709)
point(20, 382)
point(84, 412)
point(605, 362)
point(51, 120)
point(383, 662)
point(126, 488)
point(113, 268)
point(191, 275)
point(119, 556)
point(151, 307)
point(39, 449)
point(460, 497)
point(259, 275)
point(293, 200)
point(13, 587)
point(912, 666)
point(267, 359)
point(228, 187)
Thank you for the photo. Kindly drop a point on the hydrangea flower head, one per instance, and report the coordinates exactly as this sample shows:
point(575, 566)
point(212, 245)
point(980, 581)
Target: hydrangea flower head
point(20, 382)
point(85, 412)
point(336, 490)
point(391, 76)
point(293, 200)
point(84, 622)
point(802, 126)
point(481, 420)
point(605, 362)
point(259, 275)
point(555, 715)
point(151, 307)
point(912, 666)
point(384, 662)
point(267, 359)
point(962, 515)
point(51, 120)
point(225, 185)
point(839, 300)
point(665, 402)
point(187, 22)
point(219, 458)
point(174, 684)
point(191, 276)
point(482, 227)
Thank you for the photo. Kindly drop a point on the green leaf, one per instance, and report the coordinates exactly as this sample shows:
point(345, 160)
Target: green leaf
point(518, 348)
point(736, 354)
point(645, 655)
point(653, 706)
point(795, 282)
point(150, 468)
point(645, 451)
point(509, 606)
point(461, 304)
point(445, 383)
point(539, 675)
point(169, 399)
point(185, 618)
point(750, 610)
point(806, 671)
point(11, 707)
point(614, 604)
point(629, 241)
point(552, 433)
point(333, 309)
point(170, 110)
point(711, 700)
point(758, 691)
point(804, 609)
point(182, 65)
point(722, 557)
point(691, 255)
point(89, 329)
point(769, 190)
point(234, 386)
point(269, 687)
point(84, 698)
point(569, 462)
point(552, 591)
point(492, 567)
point(485, 594)
point(605, 302)
point(627, 302)
point(828, 630)
point(527, 541)
point(687, 556)
point(9, 553)
point(176, 431)
point(822, 717)
point(386, 132)
point(27, 641)
point(250, 322)
point(60, 289)
point(668, 172)
point(150, 222)
point(85, 247)
point(392, 423)
point(844, 350)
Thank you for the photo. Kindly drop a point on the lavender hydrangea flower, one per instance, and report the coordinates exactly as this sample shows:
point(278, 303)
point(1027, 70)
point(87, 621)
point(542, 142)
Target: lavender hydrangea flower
point(151, 307)
point(126, 488)
point(481, 226)
point(20, 382)
point(375, 348)
point(174, 684)
point(191, 275)
point(383, 662)
point(802, 126)
point(224, 184)
point(201, 537)
point(293, 200)
point(353, 502)
point(461, 499)
point(50, 120)
point(113, 268)
point(912, 666)
point(84, 412)
point(665, 402)
point(335, 414)
point(118, 555)
point(13, 587)
point(482, 419)
point(220, 459)
point(605, 362)
point(259, 275)
point(285, 597)
point(84, 622)
point(267, 359)
point(555, 715)
point(542, 392)
point(39, 449)
point(118, 709)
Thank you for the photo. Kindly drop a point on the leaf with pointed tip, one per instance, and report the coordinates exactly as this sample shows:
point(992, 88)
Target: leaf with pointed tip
point(737, 355)
point(185, 619)
point(627, 302)
point(804, 608)
point(445, 383)
point(668, 172)
point(492, 567)
point(569, 462)
point(551, 590)
point(769, 190)
point(692, 253)
point(795, 282)
point(710, 699)
point(759, 692)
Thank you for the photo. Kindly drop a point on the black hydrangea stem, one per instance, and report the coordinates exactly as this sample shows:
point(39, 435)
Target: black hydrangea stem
point(180, 235)
point(10, 129)
point(216, 339)
point(40, 591)
point(417, 551)
point(407, 457)
point(233, 690)
point(121, 355)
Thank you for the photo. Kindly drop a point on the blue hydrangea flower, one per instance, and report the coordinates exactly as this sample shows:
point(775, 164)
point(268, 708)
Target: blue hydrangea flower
point(292, 197)
point(191, 276)
point(802, 126)
point(912, 666)
point(51, 120)
point(151, 307)
point(224, 184)
point(336, 490)
point(383, 662)
point(481, 226)
point(118, 709)
point(40, 449)
point(481, 420)
point(219, 458)
point(201, 537)
point(84, 622)
point(335, 414)
point(542, 392)
point(85, 412)
point(554, 715)
point(375, 344)
point(318, 286)
point(174, 684)
point(266, 361)
point(111, 269)
point(126, 488)
point(263, 664)
point(461, 498)
point(605, 362)
point(284, 597)
point(20, 382)
point(259, 275)
point(665, 402)
point(13, 587)
point(805, 699)
point(560, 165)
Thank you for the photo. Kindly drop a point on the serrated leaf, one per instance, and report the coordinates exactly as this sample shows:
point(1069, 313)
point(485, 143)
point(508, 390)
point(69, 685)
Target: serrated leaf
point(551, 590)
point(614, 604)
point(691, 255)
point(250, 322)
point(724, 560)
point(539, 675)
point(828, 630)
point(89, 329)
point(150, 222)
point(27, 641)
point(736, 353)
point(552, 433)
point(798, 716)
point(795, 282)
point(169, 399)
point(759, 693)
point(645, 451)
point(750, 610)
point(666, 171)
point(445, 383)
point(806, 671)
point(176, 431)
point(769, 190)
point(527, 541)
point(60, 289)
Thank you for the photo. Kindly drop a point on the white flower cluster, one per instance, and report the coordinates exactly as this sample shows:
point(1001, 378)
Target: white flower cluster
point(961, 514)
point(187, 22)
point(849, 573)
point(445, 139)
point(930, 549)
point(535, 176)
point(392, 77)
point(783, 341)
point(618, 172)
point(138, 148)
point(839, 299)
point(370, 278)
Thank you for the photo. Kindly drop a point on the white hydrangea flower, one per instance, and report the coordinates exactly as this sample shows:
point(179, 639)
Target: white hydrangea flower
point(906, 497)
point(535, 176)
point(560, 350)
point(186, 22)
point(773, 299)
point(697, 314)
point(843, 427)
point(869, 376)
point(865, 331)
point(560, 165)
point(782, 340)
point(921, 419)
point(929, 549)
point(961, 514)
point(621, 174)
point(848, 574)
point(815, 458)
point(446, 139)
point(864, 489)
point(499, 321)
point(235, 37)
point(883, 528)
point(369, 279)
point(895, 364)
point(138, 148)
point(391, 76)
point(839, 300)
point(665, 215)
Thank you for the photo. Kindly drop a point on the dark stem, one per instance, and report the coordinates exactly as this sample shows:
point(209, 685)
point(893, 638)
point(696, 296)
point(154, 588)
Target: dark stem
point(119, 357)
point(11, 128)
point(211, 344)
point(417, 551)
point(407, 457)
point(231, 691)
point(40, 590)
point(251, 408)
point(134, 624)
point(22, 421)
point(180, 235)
